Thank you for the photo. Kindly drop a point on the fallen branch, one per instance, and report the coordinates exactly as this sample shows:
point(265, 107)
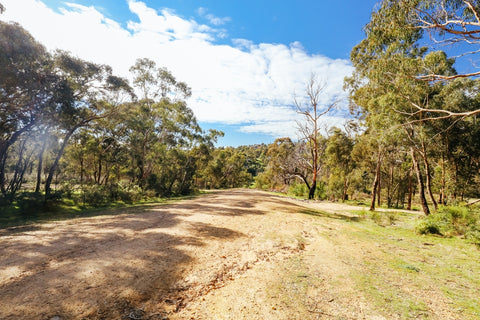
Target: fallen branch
point(471, 203)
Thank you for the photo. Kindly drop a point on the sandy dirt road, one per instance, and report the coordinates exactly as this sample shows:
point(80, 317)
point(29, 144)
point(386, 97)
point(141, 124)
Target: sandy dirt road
point(236, 254)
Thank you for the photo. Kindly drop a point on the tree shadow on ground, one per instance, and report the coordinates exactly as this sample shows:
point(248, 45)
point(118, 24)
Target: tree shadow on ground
point(109, 265)
point(102, 267)
point(337, 216)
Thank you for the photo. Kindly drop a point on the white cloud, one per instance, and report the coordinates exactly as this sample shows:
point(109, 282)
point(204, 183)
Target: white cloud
point(216, 21)
point(242, 83)
point(288, 128)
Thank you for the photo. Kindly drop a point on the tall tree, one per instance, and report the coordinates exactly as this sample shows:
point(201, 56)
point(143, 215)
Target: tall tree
point(339, 159)
point(84, 99)
point(28, 89)
point(163, 131)
point(310, 131)
point(388, 67)
point(401, 24)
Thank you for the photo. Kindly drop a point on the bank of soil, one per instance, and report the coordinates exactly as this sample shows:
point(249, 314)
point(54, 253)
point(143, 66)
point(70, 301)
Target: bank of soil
point(236, 254)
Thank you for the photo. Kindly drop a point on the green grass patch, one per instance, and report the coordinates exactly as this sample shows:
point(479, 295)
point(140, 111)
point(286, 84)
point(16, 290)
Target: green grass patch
point(404, 274)
point(407, 269)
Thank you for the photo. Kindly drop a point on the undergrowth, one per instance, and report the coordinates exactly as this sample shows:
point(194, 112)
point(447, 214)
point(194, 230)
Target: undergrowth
point(452, 221)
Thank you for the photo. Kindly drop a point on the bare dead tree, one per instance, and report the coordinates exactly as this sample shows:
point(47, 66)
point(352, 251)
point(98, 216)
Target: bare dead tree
point(309, 130)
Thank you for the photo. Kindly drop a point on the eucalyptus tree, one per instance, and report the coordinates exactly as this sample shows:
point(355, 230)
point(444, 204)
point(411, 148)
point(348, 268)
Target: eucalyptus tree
point(388, 80)
point(29, 93)
point(162, 131)
point(452, 25)
point(228, 168)
point(339, 159)
point(281, 163)
point(86, 98)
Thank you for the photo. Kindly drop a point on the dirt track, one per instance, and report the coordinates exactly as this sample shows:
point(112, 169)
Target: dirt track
point(237, 254)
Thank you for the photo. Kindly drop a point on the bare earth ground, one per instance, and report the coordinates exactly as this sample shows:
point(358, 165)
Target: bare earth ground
point(237, 254)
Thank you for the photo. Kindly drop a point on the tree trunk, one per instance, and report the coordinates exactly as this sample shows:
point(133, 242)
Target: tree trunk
point(41, 153)
point(54, 166)
point(379, 189)
point(410, 189)
point(428, 176)
point(100, 168)
point(311, 193)
point(20, 168)
point(421, 186)
point(390, 187)
point(442, 199)
point(4, 146)
point(376, 180)
point(345, 187)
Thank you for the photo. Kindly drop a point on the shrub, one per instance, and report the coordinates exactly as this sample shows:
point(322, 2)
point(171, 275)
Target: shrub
point(383, 218)
point(95, 195)
point(451, 221)
point(428, 226)
point(473, 234)
point(102, 195)
point(130, 193)
point(30, 202)
point(301, 190)
point(262, 181)
point(298, 190)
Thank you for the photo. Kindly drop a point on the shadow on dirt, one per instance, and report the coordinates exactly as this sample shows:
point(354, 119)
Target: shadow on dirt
point(323, 214)
point(106, 266)
point(117, 266)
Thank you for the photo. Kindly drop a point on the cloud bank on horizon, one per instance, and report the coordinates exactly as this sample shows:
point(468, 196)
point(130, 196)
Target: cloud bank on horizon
point(246, 84)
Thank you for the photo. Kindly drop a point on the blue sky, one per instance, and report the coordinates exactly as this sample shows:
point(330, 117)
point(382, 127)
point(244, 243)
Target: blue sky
point(245, 60)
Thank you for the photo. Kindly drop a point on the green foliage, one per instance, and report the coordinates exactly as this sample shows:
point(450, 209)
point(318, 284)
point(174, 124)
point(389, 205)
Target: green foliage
point(474, 234)
point(228, 168)
point(381, 218)
point(263, 181)
point(300, 190)
point(101, 196)
point(29, 202)
point(452, 221)
point(429, 226)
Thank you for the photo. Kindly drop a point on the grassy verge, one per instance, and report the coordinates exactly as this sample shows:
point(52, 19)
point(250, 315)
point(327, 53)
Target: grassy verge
point(410, 276)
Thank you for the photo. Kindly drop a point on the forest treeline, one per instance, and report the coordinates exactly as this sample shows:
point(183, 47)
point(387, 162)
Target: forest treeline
point(73, 131)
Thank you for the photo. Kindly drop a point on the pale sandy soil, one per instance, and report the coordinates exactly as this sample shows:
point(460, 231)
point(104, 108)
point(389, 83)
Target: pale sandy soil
point(237, 254)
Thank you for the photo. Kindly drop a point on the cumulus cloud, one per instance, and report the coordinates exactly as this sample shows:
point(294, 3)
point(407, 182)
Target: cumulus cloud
point(242, 83)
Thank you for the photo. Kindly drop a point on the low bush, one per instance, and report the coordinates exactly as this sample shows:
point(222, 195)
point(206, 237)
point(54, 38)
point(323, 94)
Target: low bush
point(382, 218)
point(301, 190)
point(98, 196)
point(298, 190)
point(428, 226)
point(452, 221)
point(30, 202)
